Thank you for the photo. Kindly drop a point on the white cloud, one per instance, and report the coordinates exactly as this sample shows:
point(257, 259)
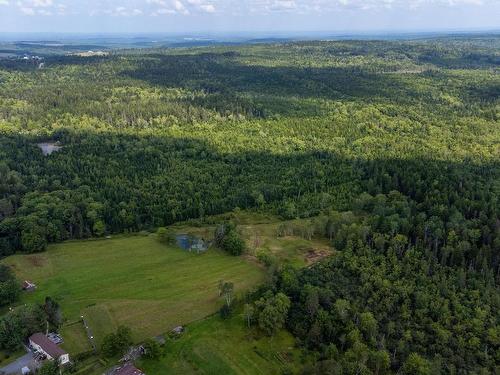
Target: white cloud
point(202, 5)
point(284, 5)
point(208, 8)
point(180, 7)
point(61, 9)
point(27, 11)
point(184, 7)
point(42, 3)
point(40, 7)
point(4, 2)
point(122, 11)
point(165, 7)
point(129, 8)
point(162, 3)
point(163, 11)
point(321, 6)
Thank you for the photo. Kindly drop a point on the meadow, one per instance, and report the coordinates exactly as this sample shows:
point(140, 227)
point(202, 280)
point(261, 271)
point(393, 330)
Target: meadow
point(263, 240)
point(215, 346)
point(134, 281)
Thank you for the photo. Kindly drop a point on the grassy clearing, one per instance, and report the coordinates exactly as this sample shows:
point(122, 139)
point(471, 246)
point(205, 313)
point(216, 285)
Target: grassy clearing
point(214, 346)
point(260, 232)
point(75, 338)
point(100, 320)
point(135, 281)
point(151, 287)
point(289, 249)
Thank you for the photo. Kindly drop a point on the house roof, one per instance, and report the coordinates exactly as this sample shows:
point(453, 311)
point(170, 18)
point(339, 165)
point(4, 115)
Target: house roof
point(47, 346)
point(128, 369)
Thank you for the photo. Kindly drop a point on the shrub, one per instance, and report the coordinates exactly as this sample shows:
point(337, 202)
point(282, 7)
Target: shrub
point(165, 236)
point(152, 349)
point(228, 239)
point(225, 311)
point(233, 243)
point(117, 343)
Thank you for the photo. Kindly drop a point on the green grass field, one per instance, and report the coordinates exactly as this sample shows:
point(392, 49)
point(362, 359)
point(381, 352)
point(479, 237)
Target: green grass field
point(134, 281)
point(151, 288)
point(75, 338)
point(215, 346)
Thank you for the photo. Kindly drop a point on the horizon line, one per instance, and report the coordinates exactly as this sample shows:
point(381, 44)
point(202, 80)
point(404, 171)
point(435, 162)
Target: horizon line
point(333, 32)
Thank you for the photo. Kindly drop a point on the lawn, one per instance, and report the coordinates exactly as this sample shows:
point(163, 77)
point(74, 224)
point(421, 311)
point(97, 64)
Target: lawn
point(215, 346)
point(75, 338)
point(134, 281)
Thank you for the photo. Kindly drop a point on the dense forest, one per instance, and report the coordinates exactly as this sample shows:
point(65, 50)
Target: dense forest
point(391, 148)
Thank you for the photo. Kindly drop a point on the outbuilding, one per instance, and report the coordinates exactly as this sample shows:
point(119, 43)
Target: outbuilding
point(42, 344)
point(28, 286)
point(127, 369)
point(178, 330)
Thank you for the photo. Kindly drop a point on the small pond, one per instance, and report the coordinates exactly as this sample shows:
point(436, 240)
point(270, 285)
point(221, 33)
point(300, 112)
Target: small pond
point(191, 243)
point(49, 147)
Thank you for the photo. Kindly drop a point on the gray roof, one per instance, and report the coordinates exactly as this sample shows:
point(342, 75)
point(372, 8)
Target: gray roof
point(128, 369)
point(47, 346)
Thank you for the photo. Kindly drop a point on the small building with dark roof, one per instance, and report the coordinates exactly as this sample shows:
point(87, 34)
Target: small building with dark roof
point(127, 369)
point(41, 343)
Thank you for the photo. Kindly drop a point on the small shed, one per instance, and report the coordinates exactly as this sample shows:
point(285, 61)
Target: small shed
point(133, 354)
point(28, 286)
point(178, 330)
point(127, 369)
point(25, 370)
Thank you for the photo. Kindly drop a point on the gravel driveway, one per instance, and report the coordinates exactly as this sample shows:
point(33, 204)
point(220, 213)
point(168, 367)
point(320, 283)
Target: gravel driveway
point(16, 366)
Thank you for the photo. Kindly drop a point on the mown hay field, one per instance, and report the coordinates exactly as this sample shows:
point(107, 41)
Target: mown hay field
point(135, 281)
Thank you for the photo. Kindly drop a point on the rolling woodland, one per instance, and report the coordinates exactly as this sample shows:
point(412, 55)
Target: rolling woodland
point(390, 150)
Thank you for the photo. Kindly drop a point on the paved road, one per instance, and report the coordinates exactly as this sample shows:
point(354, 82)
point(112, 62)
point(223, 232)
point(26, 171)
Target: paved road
point(16, 366)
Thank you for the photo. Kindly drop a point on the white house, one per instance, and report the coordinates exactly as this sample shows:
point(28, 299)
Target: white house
point(42, 344)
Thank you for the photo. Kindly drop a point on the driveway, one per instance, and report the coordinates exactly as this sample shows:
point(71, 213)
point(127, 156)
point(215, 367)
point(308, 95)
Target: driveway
point(16, 366)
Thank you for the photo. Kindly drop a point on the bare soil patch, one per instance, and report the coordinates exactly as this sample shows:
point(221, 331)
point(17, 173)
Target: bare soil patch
point(313, 255)
point(36, 260)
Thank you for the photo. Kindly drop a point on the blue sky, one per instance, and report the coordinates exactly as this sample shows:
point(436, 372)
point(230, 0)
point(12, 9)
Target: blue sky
point(246, 15)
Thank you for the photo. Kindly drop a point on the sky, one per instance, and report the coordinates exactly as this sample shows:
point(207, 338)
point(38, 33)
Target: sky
point(187, 16)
